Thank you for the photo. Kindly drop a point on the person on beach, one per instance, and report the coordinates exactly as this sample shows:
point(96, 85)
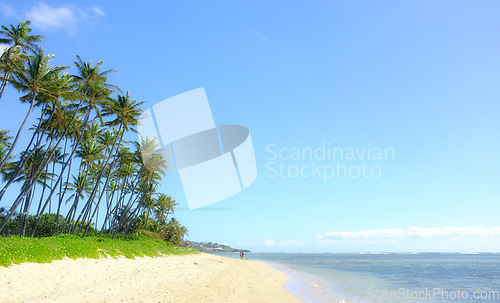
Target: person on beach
point(242, 254)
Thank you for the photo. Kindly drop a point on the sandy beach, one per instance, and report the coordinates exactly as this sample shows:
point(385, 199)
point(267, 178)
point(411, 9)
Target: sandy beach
point(189, 278)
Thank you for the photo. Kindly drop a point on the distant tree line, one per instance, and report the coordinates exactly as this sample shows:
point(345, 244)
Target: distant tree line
point(214, 247)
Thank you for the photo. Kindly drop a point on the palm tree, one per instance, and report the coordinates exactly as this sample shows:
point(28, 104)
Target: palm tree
point(4, 143)
point(92, 85)
point(121, 184)
point(92, 88)
point(126, 113)
point(11, 59)
point(148, 206)
point(91, 154)
point(150, 164)
point(80, 185)
point(164, 206)
point(57, 158)
point(89, 151)
point(48, 99)
point(77, 117)
point(174, 232)
point(18, 37)
point(4, 148)
point(148, 156)
point(37, 78)
point(149, 177)
point(59, 87)
point(29, 174)
point(65, 124)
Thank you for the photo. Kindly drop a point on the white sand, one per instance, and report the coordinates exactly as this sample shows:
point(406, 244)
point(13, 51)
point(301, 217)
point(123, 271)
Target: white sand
point(192, 278)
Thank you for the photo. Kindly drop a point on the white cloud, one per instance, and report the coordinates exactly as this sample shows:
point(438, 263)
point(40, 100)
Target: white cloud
point(65, 17)
point(412, 232)
point(47, 17)
point(2, 48)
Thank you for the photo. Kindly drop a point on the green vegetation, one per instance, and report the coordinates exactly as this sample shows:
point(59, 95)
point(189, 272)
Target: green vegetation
point(214, 247)
point(15, 250)
point(78, 174)
point(77, 165)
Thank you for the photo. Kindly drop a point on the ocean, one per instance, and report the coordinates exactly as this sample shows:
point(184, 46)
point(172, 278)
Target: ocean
point(391, 277)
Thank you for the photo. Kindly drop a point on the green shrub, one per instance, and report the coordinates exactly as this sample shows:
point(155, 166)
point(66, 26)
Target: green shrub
point(16, 250)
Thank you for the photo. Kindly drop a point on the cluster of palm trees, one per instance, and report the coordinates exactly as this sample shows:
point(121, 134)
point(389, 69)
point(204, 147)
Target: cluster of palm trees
point(77, 159)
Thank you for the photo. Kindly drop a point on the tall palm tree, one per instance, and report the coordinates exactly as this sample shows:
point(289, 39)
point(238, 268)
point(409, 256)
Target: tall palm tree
point(65, 124)
point(49, 100)
point(18, 37)
point(126, 170)
point(151, 164)
point(57, 158)
point(37, 78)
point(126, 113)
point(92, 87)
point(80, 185)
point(60, 87)
point(91, 154)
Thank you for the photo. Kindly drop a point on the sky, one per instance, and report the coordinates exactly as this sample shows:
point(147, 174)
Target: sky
point(403, 95)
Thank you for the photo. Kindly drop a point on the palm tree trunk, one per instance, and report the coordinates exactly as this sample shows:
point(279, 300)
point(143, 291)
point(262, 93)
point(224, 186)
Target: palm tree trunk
point(6, 77)
point(147, 218)
point(110, 210)
point(122, 219)
point(27, 205)
point(61, 192)
point(120, 201)
point(4, 160)
point(70, 212)
point(21, 196)
point(25, 156)
point(51, 184)
point(58, 180)
point(133, 215)
point(65, 165)
point(75, 224)
point(43, 191)
point(118, 138)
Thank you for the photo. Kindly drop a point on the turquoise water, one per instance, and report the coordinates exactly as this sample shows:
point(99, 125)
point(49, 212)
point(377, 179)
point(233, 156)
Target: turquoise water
point(423, 277)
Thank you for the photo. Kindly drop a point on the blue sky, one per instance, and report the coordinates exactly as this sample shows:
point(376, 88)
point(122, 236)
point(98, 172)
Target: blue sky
point(420, 78)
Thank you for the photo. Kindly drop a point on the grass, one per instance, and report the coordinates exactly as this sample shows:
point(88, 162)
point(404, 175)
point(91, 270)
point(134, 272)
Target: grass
point(16, 250)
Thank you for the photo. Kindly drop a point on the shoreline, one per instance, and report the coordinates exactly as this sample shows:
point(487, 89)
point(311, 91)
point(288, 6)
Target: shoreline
point(187, 278)
point(306, 286)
